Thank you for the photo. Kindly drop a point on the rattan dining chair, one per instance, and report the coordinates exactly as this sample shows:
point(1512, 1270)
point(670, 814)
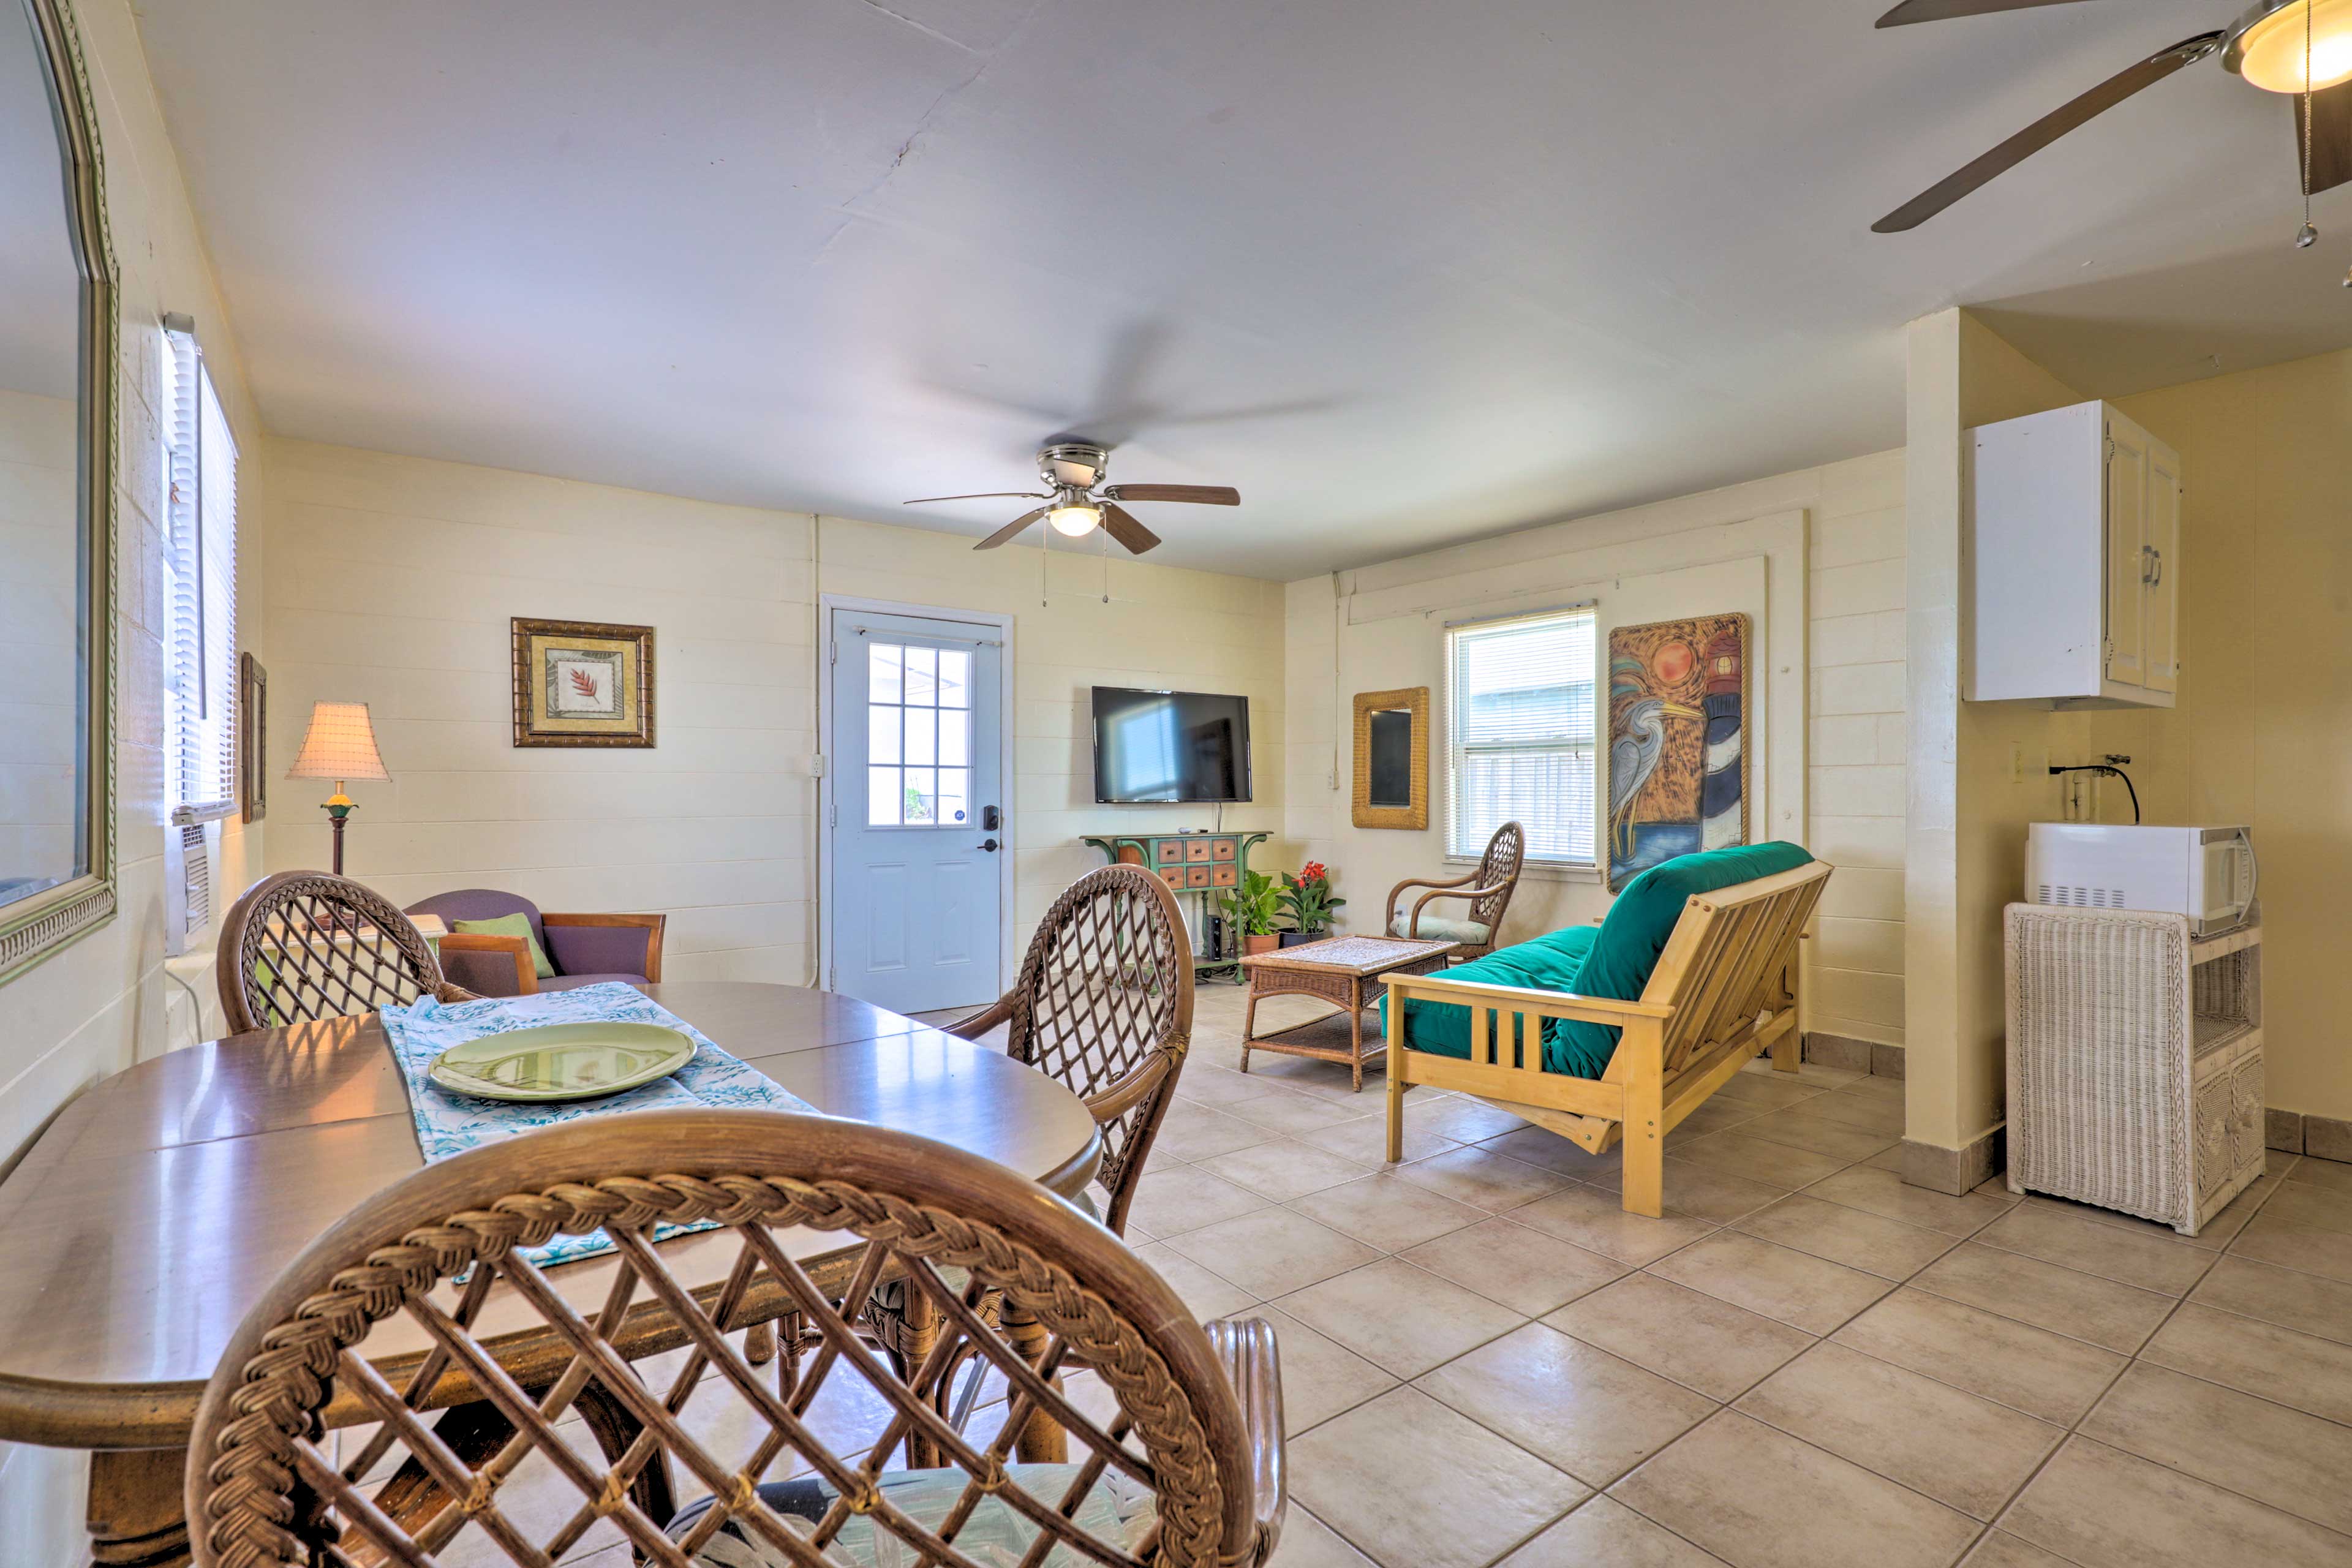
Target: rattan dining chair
point(1178, 1464)
point(302, 945)
point(1104, 1003)
point(1488, 889)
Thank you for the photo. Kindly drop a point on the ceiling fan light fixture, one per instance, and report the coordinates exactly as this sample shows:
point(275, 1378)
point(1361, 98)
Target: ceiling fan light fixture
point(1075, 521)
point(2267, 48)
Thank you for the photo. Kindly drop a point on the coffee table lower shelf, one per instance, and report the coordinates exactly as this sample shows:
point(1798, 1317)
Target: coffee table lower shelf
point(1345, 970)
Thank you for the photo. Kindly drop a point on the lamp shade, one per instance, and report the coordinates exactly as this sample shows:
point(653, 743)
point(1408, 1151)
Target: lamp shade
point(340, 744)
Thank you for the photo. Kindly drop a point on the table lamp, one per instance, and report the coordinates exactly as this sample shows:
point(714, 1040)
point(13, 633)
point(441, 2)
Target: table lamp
point(339, 745)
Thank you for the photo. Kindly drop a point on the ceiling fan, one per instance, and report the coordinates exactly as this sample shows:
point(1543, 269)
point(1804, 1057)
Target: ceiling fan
point(2268, 46)
point(1077, 501)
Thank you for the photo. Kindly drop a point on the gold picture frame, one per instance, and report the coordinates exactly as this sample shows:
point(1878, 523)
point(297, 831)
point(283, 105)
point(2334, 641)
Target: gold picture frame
point(252, 738)
point(1392, 769)
point(582, 683)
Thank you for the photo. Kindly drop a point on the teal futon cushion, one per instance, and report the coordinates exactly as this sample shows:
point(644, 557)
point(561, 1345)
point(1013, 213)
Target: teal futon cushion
point(1613, 960)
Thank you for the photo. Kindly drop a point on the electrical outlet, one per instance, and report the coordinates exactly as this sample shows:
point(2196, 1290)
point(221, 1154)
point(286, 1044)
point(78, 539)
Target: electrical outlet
point(2017, 761)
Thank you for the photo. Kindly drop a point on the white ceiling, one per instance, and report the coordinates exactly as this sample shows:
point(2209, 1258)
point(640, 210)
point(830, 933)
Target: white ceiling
point(1405, 273)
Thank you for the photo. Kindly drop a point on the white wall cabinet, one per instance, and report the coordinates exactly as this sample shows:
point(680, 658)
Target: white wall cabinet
point(2073, 561)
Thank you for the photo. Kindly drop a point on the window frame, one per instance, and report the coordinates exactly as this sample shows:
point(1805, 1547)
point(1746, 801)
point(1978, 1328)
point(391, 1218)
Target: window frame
point(1540, 863)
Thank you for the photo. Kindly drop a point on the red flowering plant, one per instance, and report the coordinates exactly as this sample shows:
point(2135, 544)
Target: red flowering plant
point(1306, 898)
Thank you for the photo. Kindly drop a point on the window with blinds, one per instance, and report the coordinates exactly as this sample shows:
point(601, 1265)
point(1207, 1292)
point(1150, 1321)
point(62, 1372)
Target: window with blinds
point(1521, 721)
point(200, 613)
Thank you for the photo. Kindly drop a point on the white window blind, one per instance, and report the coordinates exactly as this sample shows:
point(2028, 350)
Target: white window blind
point(200, 643)
point(1520, 724)
point(200, 632)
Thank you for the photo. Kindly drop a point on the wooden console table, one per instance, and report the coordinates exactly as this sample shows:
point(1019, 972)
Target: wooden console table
point(1206, 864)
point(1345, 970)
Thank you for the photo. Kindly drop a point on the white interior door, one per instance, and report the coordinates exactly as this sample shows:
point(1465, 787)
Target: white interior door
point(916, 820)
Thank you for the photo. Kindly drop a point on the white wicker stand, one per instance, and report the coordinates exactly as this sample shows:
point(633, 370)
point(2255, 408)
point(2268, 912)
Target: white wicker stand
point(2135, 1061)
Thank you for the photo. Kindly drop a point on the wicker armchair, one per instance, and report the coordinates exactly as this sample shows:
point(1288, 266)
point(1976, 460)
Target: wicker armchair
point(1488, 889)
point(302, 945)
point(1180, 1462)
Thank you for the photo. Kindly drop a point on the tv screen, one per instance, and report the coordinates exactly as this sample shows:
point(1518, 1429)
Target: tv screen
point(1170, 746)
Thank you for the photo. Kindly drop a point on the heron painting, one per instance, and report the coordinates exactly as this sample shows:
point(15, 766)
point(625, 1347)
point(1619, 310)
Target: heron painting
point(1677, 740)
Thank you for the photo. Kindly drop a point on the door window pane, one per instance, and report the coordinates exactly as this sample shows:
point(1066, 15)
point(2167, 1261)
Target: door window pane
point(923, 676)
point(882, 665)
point(955, 678)
point(922, 795)
point(954, 788)
point(922, 735)
point(955, 738)
point(882, 734)
point(885, 796)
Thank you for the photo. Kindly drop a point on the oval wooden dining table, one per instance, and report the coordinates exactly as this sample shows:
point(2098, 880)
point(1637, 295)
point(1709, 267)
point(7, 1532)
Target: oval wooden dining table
point(154, 1211)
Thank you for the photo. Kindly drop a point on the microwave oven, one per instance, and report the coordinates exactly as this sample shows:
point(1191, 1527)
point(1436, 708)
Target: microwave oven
point(2208, 874)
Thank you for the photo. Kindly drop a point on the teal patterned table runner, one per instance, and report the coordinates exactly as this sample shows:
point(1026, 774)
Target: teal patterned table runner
point(449, 1123)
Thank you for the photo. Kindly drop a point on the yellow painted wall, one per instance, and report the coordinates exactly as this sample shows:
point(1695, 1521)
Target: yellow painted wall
point(1838, 645)
point(2258, 735)
point(392, 580)
point(1969, 806)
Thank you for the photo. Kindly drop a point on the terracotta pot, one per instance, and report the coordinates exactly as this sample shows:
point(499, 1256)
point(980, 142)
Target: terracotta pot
point(1254, 945)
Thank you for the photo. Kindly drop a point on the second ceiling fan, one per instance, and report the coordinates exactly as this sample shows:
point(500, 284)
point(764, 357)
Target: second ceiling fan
point(2299, 48)
point(1078, 501)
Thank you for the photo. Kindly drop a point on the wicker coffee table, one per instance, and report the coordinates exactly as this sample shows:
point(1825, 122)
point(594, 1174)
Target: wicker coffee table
point(1345, 970)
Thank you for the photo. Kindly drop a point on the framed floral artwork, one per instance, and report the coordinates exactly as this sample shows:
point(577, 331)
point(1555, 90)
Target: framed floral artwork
point(582, 683)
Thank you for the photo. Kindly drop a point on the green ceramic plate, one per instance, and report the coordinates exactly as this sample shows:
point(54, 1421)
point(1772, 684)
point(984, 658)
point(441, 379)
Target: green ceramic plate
point(561, 1061)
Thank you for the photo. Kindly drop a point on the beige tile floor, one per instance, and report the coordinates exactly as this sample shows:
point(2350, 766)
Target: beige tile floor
point(1807, 1364)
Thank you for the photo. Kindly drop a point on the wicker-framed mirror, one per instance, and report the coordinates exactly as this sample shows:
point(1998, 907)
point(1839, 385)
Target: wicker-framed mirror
point(57, 447)
point(1393, 758)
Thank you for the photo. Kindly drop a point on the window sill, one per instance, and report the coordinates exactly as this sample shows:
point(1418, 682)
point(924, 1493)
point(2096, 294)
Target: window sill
point(1537, 870)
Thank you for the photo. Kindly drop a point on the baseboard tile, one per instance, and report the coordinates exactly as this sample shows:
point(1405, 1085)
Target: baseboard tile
point(1854, 1055)
point(1955, 1171)
point(2282, 1130)
point(2327, 1138)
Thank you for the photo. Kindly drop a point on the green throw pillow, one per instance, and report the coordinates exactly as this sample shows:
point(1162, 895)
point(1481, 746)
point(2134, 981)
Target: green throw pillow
point(1635, 933)
point(510, 925)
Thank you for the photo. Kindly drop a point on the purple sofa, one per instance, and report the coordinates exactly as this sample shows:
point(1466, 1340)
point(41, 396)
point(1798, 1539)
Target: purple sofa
point(584, 949)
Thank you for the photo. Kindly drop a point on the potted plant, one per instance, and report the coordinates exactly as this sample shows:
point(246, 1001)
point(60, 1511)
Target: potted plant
point(1306, 899)
point(1251, 908)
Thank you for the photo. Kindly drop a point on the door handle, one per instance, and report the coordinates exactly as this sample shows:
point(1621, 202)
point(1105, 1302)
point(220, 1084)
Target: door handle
point(988, 845)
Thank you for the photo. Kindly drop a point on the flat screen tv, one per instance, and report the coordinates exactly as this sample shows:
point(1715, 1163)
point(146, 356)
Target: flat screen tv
point(1166, 746)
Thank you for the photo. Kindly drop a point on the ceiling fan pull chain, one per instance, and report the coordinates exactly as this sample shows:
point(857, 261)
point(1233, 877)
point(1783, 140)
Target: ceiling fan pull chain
point(2308, 236)
point(1105, 535)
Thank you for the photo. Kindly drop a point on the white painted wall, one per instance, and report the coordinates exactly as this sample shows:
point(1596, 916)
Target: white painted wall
point(100, 1005)
point(391, 581)
point(1830, 542)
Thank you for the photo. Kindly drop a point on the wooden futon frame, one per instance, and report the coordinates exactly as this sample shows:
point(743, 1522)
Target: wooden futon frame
point(1725, 990)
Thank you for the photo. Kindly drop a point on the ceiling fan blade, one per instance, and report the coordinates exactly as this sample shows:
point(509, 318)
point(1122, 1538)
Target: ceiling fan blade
point(2331, 136)
point(984, 495)
point(1010, 531)
point(2045, 131)
point(1120, 525)
point(1912, 11)
point(1202, 495)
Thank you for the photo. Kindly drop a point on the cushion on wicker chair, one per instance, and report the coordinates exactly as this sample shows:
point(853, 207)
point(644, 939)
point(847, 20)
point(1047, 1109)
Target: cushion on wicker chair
point(1118, 1509)
point(1434, 928)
